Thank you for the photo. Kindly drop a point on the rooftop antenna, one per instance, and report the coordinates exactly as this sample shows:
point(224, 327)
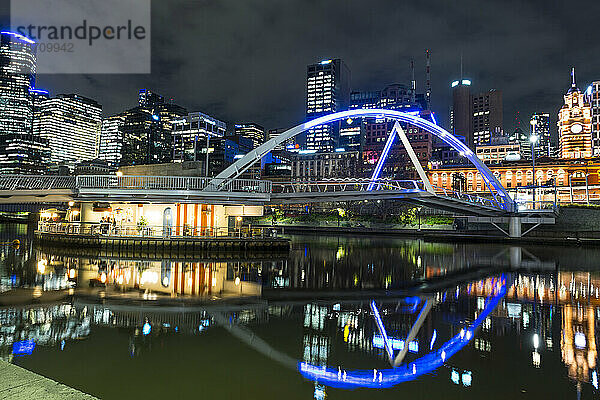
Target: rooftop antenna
point(428, 83)
point(461, 66)
point(573, 84)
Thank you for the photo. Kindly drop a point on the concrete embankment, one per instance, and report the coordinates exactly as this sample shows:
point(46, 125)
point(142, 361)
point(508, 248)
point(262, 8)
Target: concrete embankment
point(18, 383)
point(574, 226)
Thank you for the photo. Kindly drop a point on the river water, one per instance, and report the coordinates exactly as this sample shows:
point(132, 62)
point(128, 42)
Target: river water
point(328, 320)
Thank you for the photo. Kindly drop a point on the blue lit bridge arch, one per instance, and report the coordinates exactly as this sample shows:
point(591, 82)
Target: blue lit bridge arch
point(499, 193)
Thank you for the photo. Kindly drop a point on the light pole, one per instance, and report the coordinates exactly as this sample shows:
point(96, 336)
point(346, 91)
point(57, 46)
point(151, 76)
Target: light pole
point(533, 138)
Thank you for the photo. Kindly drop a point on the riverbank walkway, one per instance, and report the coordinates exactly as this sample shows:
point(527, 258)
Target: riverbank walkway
point(17, 383)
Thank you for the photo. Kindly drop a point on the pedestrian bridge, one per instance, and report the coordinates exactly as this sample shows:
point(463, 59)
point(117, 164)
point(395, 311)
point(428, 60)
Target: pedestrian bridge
point(228, 188)
point(165, 189)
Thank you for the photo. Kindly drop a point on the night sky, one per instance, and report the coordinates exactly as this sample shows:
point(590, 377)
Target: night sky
point(246, 60)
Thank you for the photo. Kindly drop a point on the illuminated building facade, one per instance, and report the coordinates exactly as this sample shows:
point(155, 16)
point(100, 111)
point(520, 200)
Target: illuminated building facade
point(475, 116)
point(252, 131)
point(327, 91)
point(575, 124)
point(575, 181)
point(21, 150)
point(497, 153)
point(111, 140)
point(147, 130)
point(487, 115)
point(191, 134)
point(312, 166)
point(540, 126)
point(71, 124)
point(594, 99)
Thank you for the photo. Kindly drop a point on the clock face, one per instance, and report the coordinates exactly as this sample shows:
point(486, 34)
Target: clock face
point(576, 128)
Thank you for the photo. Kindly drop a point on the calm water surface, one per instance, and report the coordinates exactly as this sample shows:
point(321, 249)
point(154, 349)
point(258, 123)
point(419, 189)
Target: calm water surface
point(498, 321)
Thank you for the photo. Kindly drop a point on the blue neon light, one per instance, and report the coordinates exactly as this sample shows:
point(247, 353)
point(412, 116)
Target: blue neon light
point(407, 372)
point(18, 36)
point(379, 322)
point(382, 158)
point(39, 91)
point(433, 118)
point(505, 201)
point(433, 337)
point(23, 348)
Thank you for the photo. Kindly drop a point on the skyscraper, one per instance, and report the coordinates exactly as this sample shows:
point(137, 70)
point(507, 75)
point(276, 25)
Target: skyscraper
point(191, 136)
point(540, 126)
point(147, 130)
point(594, 99)
point(575, 124)
point(71, 124)
point(327, 91)
point(20, 150)
point(252, 131)
point(475, 116)
point(461, 113)
point(487, 115)
point(111, 140)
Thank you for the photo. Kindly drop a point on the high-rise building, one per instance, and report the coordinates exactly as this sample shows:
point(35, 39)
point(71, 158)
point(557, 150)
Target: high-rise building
point(575, 124)
point(487, 116)
point(192, 134)
point(540, 126)
point(327, 91)
point(252, 131)
point(147, 130)
point(461, 113)
point(71, 124)
point(475, 116)
point(111, 140)
point(21, 151)
point(594, 99)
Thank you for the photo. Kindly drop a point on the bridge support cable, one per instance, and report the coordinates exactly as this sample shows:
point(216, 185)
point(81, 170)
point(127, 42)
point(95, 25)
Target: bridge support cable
point(413, 157)
point(383, 332)
point(414, 331)
point(397, 130)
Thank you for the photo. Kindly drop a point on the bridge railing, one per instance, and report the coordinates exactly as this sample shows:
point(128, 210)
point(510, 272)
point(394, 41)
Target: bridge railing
point(344, 185)
point(36, 182)
point(152, 231)
point(471, 198)
point(171, 183)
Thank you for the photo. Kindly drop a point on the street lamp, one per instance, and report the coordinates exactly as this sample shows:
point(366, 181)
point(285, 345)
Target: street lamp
point(533, 139)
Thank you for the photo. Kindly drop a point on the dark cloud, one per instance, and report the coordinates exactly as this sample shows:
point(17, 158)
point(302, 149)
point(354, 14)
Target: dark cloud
point(246, 60)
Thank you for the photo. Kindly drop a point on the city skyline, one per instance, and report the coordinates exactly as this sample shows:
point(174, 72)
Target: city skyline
point(521, 58)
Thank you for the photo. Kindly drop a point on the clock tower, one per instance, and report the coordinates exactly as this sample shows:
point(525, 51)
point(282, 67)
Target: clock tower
point(575, 124)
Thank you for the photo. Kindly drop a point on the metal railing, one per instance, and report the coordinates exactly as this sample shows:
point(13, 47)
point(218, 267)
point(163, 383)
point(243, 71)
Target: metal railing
point(36, 182)
point(471, 198)
point(126, 182)
point(346, 185)
point(171, 183)
point(153, 231)
point(374, 186)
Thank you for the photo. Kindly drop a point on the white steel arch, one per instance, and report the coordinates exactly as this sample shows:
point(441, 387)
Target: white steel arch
point(241, 165)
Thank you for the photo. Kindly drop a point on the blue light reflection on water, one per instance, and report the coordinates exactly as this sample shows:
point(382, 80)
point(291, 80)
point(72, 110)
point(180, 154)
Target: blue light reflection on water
point(385, 378)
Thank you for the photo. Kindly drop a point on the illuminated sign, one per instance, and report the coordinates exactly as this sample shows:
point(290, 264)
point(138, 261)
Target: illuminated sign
point(325, 62)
